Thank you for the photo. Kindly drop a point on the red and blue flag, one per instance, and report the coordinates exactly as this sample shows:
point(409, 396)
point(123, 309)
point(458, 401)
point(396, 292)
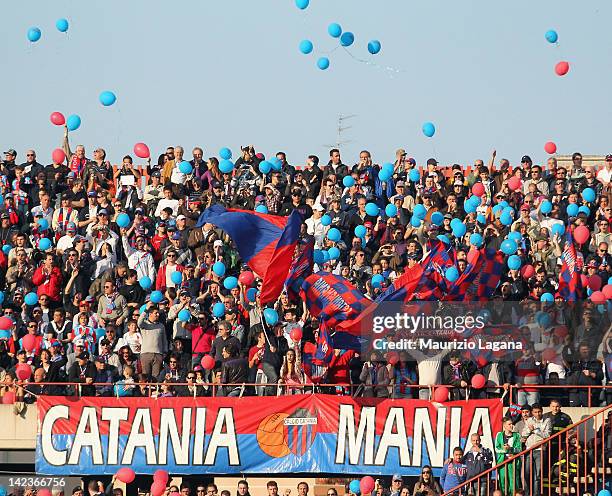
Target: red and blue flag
point(301, 268)
point(570, 283)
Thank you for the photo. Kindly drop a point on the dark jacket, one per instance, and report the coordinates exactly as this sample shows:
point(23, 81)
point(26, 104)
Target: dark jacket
point(234, 371)
point(75, 375)
point(275, 358)
point(477, 463)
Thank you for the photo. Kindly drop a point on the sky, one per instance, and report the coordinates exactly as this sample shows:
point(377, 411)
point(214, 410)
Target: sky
point(229, 73)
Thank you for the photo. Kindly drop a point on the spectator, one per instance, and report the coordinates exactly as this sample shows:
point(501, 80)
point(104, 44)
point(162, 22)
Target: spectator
point(84, 372)
point(427, 485)
point(375, 377)
point(292, 377)
point(154, 344)
point(457, 374)
point(453, 472)
point(507, 445)
point(233, 371)
point(477, 461)
point(585, 371)
point(537, 429)
point(396, 485)
point(243, 488)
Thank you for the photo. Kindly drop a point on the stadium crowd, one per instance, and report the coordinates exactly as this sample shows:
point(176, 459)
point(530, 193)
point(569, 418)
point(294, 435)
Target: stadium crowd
point(93, 322)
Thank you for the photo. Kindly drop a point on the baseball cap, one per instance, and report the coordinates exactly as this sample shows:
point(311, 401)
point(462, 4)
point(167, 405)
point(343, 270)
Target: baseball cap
point(102, 211)
point(608, 157)
point(4, 215)
point(83, 356)
point(56, 343)
point(10, 151)
point(368, 224)
point(400, 183)
point(161, 223)
point(181, 217)
point(139, 211)
point(71, 226)
point(397, 477)
point(155, 174)
point(215, 184)
point(411, 161)
point(526, 158)
point(400, 152)
point(176, 235)
point(318, 206)
point(71, 175)
point(217, 242)
point(525, 207)
point(91, 194)
point(432, 161)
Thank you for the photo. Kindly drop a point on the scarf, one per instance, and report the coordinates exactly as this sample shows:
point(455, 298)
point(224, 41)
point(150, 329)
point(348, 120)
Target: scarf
point(63, 223)
point(77, 165)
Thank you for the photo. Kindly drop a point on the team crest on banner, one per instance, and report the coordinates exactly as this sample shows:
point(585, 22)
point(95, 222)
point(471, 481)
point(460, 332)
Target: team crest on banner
point(280, 433)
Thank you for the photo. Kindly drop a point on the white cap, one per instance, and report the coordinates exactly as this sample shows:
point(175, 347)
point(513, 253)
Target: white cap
point(218, 242)
point(181, 217)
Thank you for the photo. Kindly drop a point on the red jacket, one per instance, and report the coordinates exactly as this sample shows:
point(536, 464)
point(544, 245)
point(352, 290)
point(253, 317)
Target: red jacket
point(338, 371)
point(50, 285)
point(160, 280)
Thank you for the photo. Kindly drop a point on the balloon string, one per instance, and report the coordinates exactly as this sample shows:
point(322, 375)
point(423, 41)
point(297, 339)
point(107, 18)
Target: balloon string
point(390, 70)
point(328, 52)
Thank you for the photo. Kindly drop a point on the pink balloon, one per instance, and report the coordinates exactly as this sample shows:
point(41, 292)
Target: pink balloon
point(550, 148)
point(161, 476)
point(582, 234)
point(598, 297)
point(549, 354)
point(28, 342)
point(367, 484)
point(595, 282)
point(562, 68)
point(23, 371)
point(208, 362)
point(441, 394)
point(6, 323)
point(158, 488)
point(141, 150)
point(478, 189)
point(527, 271)
point(607, 291)
point(479, 381)
point(514, 183)
point(43, 492)
point(247, 278)
point(126, 475)
point(296, 334)
point(58, 156)
point(58, 119)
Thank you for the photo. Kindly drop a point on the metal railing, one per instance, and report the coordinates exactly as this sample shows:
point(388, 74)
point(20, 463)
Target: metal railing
point(568, 462)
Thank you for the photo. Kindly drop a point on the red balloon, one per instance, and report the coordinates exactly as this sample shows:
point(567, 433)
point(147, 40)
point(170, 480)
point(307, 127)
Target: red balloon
point(481, 362)
point(598, 297)
point(246, 278)
point(527, 271)
point(296, 334)
point(6, 323)
point(8, 398)
point(161, 476)
point(514, 183)
point(582, 234)
point(549, 354)
point(141, 150)
point(208, 362)
point(562, 68)
point(29, 342)
point(584, 280)
point(58, 156)
point(479, 381)
point(561, 331)
point(58, 118)
point(23, 371)
point(367, 484)
point(441, 394)
point(393, 357)
point(478, 189)
point(607, 291)
point(158, 488)
point(550, 148)
point(126, 475)
point(595, 282)
point(43, 492)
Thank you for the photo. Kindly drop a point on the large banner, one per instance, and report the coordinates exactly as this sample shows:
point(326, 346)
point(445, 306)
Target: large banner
point(306, 433)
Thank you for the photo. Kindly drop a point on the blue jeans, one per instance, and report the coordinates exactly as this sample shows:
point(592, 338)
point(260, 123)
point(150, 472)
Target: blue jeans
point(527, 398)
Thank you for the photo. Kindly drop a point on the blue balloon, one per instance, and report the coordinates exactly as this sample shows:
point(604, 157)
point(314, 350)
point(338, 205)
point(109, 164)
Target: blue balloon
point(391, 210)
point(230, 282)
point(377, 280)
point(360, 231)
point(226, 166)
point(414, 175)
point(509, 247)
point(481, 219)
point(34, 34)
point(497, 209)
point(6, 249)
point(547, 297)
point(515, 236)
point(354, 487)
point(107, 98)
point(372, 209)
point(185, 167)
point(334, 30)
point(184, 315)
point(43, 224)
point(276, 164)
point(514, 262)
point(374, 47)
point(444, 238)
point(469, 207)
point(44, 244)
point(1, 297)
point(325, 256)
point(546, 207)
point(475, 200)
point(123, 220)
point(323, 63)
point(219, 309)
point(588, 195)
point(429, 129)
point(420, 211)
point(302, 4)
point(271, 316)
point(176, 277)
point(551, 36)
point(265, 166)
point(455, 222)
point(572, 210)
point(5, 334)
point(121, 390)
point(415, 221)
point(100, 332)
point(156, 296)
point(306, 47)
point(326, 220)
point(219, 269)
point(334, 234)
point(604, 492)
point(503, 204)
point(384, 175)
point(334, 253)
point(459, 230)
point(261, 209)
point(452, 274)
point(145, 282)
point(543, 318)
point(558, 229)
point(225, 153)
point(505, 219)
point(348, 181)
point(31, 299)
point(388, 166)
point(251, 294)
point(583, 209)
point(318, 257)
point(62, 25)
point(437, 218)
point(347, 39)
point(476, 240)
point(73, 122)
